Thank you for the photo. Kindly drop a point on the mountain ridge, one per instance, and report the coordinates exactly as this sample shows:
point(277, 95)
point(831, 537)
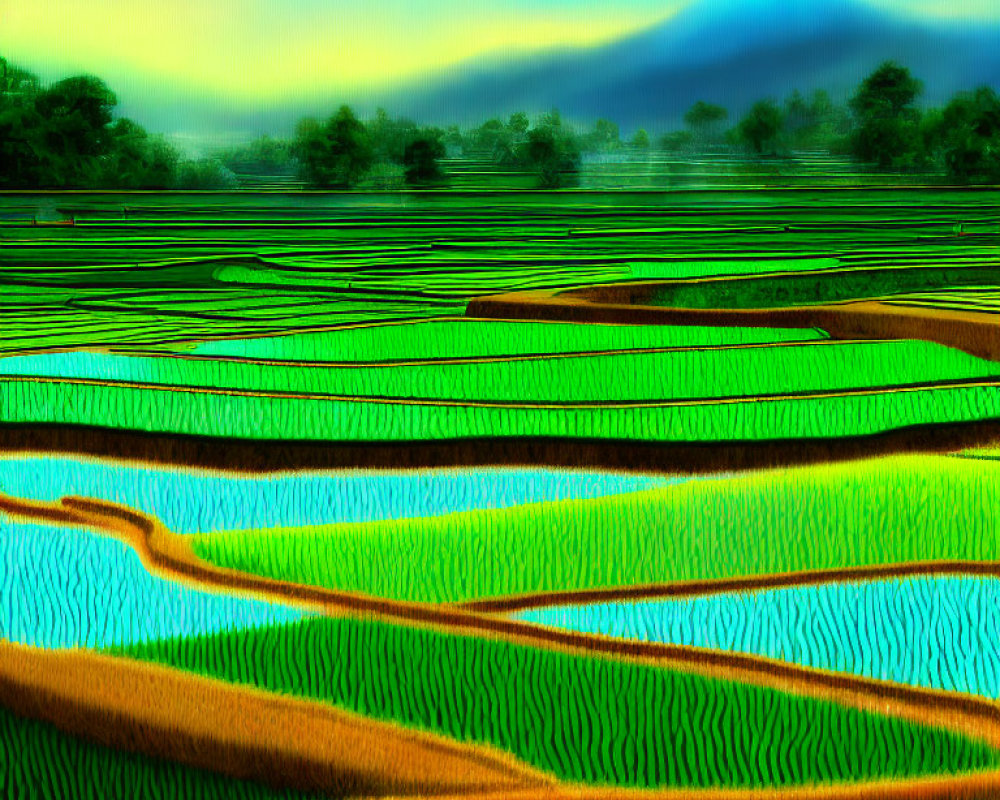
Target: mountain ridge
point(732, 53)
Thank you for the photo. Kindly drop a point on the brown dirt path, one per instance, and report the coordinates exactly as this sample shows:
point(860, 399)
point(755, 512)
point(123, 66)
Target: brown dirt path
point(167, 554)
point(628, 303)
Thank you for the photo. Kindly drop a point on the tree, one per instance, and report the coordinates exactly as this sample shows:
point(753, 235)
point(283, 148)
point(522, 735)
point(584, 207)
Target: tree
point(79, 107)
point(16, 85)
point(970, 136)
point(421, 159)
point(551, 150)
point(761, 127)
point(65, 136)
point(888, 122)
point(454, 139)
point(309, 148)
point(676, 141)
point(20, 128)
point(263, 155)
point(491, 136)
point(640, 140)
point(812, 122)
point(73, 134)
point(518, 124)
point(348, 148)
point(335, 154)
point(388, 137)
point(136, 160)
point(604, 138)
point(706, 121)
point(205, 173)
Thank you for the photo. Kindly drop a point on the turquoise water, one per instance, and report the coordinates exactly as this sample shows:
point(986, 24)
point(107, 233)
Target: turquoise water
point(69, 587)
point(188, 501)
point(936, 632)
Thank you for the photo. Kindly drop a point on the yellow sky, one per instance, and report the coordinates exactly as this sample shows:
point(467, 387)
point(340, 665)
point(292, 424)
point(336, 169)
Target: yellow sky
point(267, 49)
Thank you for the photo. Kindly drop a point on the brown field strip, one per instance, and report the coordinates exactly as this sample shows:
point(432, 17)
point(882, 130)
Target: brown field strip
point(627, 303)
point(751, 583)
point(242, 732)
point(268, 456)
point(167, 554)
point(980, 786)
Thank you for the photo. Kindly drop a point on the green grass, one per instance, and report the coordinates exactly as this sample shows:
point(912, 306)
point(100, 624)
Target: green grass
point(618, 377)
point(972, 299)
point(359, 257)
point(39, 761)
point(584, 719)
point(751, 264)
point(27, 402)
point(830, 286)
point(881, 511)
point(467, 338)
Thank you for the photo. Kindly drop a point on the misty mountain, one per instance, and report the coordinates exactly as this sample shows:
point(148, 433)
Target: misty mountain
point(721, 51)
point(731, 52)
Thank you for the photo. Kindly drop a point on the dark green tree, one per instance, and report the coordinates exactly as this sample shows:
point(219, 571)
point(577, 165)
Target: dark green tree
point(760, 128)
point(706, 121)
point(309, 149)
point(814, 121)
point(136, 160)
point(887, 120)
point(262, 156)
point(421, 160)
point(640, 140)
point(20, 128)
point(74, 117)
point(454, 139)
point(518, 124)
point(205, 173)
point(389, 137)
point(335, 154)
point(676, 141)
point(603, 138)
point(491, 136)
point(970, 136)
point(552, 152)
point(16, 85)
point(64, 136)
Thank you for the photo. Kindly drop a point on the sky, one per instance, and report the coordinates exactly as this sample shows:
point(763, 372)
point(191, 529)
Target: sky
point(258, 54)
point(263, 49)
point(266, 49)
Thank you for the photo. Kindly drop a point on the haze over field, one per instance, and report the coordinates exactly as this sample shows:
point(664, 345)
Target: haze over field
point(243, 67)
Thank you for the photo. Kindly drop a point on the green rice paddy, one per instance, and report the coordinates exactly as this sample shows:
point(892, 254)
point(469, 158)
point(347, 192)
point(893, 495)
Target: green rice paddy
point(585, 719)
point(610, 377)
point(828, 286)
point(472, 338)
point(125, 271)
point(337, 319)
point(876, 512)
point(222, 413)
point(38, 760)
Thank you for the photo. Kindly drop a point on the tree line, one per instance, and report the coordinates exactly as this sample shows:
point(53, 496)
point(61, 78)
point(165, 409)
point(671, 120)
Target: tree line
point(65, 136)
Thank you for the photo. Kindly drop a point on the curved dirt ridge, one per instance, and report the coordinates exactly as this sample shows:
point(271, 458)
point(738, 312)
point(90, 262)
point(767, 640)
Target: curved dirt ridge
point(167, 554)
point(242, 732)
point(628, 303)
point(750, 583)
point(685, 458)
point(983, 786)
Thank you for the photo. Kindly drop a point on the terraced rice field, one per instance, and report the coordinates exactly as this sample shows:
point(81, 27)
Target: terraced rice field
point(281, 516)
point(939, 632)
point(66, 587)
